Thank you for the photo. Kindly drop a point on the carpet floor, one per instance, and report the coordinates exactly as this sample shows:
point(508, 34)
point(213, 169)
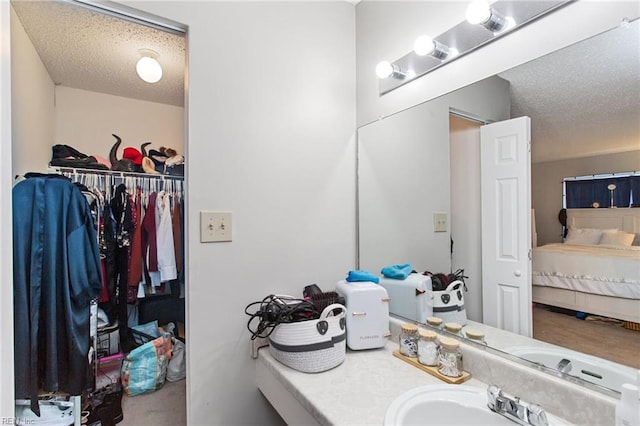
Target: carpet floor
point(595, 336)
point(165, 407)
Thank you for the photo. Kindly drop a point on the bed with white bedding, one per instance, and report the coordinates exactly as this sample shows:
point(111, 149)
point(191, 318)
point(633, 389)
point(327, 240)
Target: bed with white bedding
point(592, 277)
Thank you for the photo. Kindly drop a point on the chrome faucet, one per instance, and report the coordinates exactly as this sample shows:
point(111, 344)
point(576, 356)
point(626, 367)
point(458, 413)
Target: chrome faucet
point(514, 410)
point(564, 366)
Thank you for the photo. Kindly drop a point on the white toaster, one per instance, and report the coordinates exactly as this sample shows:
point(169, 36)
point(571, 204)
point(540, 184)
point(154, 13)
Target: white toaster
point(367, 314)
point(411, 298)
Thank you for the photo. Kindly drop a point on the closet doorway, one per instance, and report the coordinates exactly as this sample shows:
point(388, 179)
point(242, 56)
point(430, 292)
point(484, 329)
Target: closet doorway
point(74, 83)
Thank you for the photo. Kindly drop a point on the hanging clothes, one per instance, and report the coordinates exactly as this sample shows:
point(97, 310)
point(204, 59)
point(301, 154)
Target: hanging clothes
point(107, 243)
point(135, 261)
point(149, 242)
point(140, 239)
point(121, 208)
point(56, 274)
point(164, 234)
point(177, 234)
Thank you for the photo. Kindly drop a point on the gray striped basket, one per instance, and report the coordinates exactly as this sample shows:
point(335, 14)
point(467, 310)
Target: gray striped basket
point(311, 346)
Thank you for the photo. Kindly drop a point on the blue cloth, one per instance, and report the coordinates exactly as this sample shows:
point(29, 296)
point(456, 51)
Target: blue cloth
point(360, 275)
point(56, 274)
point(397, 272)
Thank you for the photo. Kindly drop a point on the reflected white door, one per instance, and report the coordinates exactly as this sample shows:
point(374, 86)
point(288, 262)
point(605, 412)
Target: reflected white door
point(505, 152)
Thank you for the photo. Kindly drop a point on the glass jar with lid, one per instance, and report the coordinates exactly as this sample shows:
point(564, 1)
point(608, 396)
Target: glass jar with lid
point(428, 348)
point(449, 357)
point(434, 322)
point(452, 327)
point(409, 340)
point(475, 335)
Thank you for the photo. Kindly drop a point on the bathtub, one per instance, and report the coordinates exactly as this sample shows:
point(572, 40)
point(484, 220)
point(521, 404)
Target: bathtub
point(589, 368)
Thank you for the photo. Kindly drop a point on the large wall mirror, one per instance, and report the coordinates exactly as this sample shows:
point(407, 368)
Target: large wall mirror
point(584, 104)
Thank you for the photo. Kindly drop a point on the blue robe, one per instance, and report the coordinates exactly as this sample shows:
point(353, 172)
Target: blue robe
point(56, 274)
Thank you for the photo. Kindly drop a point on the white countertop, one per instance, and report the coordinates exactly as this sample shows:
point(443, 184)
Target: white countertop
point(358, 391)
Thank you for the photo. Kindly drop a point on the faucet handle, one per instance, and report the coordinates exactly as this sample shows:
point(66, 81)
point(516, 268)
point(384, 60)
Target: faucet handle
point(537, 415)
point(494, 398)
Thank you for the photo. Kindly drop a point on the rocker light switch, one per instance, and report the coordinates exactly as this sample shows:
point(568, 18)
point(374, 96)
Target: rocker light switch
point(439, 222)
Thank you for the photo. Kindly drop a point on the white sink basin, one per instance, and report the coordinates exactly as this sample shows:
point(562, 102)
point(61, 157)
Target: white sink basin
point(446, 405)
point(443, 405)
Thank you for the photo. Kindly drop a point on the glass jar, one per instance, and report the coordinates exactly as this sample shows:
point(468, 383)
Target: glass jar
point(409, 340)
point(449, 357)
point(428, 348)
point(453, 327)
point(435, 322)
point(475, 335)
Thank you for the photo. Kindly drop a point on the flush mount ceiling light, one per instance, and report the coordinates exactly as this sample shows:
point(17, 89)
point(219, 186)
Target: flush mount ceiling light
point(148, 67)
point(425, 45)
point(386, 69)
point(479, 12)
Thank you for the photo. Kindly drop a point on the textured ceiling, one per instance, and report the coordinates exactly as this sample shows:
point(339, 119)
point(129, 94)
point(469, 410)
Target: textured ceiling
point(583, 100)
point(93, 51)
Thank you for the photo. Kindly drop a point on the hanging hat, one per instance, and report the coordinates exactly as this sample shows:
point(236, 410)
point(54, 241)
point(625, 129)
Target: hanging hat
point(132, 154)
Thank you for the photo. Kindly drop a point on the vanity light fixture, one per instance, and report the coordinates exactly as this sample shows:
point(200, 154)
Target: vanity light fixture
point(148, 67)
point(386, 69)
point(425, 45)
point(431, 53)
point(480, 13)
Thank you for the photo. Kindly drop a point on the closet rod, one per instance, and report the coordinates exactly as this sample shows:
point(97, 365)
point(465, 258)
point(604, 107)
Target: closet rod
point(61, 170)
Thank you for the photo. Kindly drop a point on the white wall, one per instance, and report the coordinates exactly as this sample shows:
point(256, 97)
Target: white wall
point(271, 138)
point(6, 238)
point(85, 120)
point(387, 29)
point(466, 220)
point(32, 104)
point(546, 188)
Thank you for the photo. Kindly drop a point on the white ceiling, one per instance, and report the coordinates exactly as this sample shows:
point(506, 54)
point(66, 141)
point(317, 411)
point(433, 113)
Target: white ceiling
point(87, 50)
point(583, 100)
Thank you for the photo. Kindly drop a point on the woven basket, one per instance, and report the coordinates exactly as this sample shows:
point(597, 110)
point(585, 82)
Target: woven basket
point(631, 325)
point(311, 346)
point(449, 304)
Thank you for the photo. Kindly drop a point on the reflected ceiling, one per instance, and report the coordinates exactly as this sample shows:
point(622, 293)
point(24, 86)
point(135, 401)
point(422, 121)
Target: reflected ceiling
point(599, 74)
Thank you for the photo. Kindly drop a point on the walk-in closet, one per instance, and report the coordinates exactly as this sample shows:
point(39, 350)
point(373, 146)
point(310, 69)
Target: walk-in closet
point(98, 155)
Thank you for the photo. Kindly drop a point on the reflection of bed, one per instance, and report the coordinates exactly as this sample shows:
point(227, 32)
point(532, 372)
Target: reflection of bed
point(601, 280)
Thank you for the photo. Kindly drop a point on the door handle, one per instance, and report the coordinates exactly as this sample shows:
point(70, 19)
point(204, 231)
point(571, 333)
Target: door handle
point(517, 273)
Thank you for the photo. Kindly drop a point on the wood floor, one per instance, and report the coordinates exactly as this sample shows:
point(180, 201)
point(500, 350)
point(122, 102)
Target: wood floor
point(592, 336)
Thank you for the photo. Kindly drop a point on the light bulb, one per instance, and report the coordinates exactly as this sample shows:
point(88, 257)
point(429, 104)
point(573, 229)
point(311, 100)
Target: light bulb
point(384, 69)
point(478, 12)
point(149, 69)
point(424, 45)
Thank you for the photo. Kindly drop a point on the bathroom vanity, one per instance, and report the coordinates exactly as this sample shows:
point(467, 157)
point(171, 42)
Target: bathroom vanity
point(360, 390)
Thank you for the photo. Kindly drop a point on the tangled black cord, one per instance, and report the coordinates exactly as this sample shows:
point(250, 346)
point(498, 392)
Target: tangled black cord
point(274, 310)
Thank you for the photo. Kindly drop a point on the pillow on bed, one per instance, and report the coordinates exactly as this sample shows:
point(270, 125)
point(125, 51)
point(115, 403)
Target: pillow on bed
point(583, 236)
point(620, 238)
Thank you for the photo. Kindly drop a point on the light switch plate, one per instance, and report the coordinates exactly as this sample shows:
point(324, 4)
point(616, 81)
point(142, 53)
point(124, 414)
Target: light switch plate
point(439, 222)
point(215, 226)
